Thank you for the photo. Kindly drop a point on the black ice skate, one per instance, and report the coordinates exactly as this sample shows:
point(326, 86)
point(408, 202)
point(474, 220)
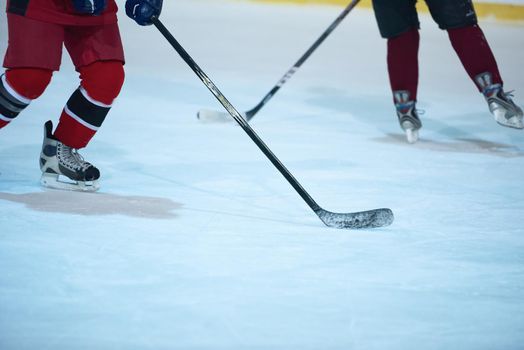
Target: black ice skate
point(58, 161)
point(504, 110)
point(407, 115)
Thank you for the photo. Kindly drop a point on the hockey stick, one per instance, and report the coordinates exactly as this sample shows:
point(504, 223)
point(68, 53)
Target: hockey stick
point(365, 219)
point(216, 116)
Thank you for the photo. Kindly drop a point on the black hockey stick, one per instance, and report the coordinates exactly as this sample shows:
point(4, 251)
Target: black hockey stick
point(216, 116)
point(365, 219)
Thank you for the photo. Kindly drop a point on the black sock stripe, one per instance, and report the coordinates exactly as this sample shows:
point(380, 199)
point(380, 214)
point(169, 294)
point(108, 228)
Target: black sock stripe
point(7, 113)
point(86, 110)
point(12, 100)
point(10, 106)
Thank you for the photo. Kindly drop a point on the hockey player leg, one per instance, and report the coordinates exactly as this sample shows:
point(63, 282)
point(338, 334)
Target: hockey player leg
point(407, 115)
point(403, 76)
point(82, 116)
point(504, 110)
point(472, 48)
point(33, 53)
point(480, 64)
point(18, 87)
point(398, 23)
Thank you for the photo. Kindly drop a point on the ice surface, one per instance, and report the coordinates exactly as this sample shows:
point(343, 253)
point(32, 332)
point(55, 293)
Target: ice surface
point(195, 241)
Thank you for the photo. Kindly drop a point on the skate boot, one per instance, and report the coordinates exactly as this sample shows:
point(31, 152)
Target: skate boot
point(504, 110)
point(407, 115)
point(58, 161)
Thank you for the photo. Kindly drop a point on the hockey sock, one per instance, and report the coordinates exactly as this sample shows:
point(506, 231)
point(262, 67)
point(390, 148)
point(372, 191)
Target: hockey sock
point(18, 87)
point(88, 106)
point(474, 52)
point(403, 62)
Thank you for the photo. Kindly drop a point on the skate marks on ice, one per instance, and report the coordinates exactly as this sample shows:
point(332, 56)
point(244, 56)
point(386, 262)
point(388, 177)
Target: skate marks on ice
point(379, 112)
point(460, 145)
point(94, 204)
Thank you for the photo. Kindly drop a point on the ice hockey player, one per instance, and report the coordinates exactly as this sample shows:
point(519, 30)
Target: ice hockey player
point(398, 23)
point(37, 30)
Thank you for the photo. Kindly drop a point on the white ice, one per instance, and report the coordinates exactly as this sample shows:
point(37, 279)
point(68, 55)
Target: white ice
point(195, 241)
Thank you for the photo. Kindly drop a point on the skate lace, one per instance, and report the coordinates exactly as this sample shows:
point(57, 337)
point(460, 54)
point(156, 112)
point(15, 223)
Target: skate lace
point(72, 159)
point(509, 94)
point(505, 96)
point(495, 91)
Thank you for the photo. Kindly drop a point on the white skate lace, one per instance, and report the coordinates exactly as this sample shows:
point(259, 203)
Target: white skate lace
point(72, 159)
point(492, 92)
point(509, 95)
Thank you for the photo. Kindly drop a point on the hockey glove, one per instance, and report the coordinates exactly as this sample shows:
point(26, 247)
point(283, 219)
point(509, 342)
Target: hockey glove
point(142, 11)
point(90, 7)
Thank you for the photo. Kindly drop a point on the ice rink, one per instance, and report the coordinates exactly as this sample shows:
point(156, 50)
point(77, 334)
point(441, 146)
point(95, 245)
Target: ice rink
point(196, 242)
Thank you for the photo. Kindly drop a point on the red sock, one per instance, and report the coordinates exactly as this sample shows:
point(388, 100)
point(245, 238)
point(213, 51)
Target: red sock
point(474, 52)
point(87, 108)
point(403, 62)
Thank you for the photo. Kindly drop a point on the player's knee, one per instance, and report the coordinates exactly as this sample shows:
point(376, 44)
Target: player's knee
point(452, 14)
point(28, 82)
point(103, 80)
point(18, 87)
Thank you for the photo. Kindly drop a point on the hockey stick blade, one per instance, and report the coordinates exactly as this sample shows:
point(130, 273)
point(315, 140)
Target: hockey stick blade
point(364, 219)
point(214, 116)
point(210, 116)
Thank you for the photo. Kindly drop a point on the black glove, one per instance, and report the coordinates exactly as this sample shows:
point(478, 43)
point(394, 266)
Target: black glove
point(142, 11)
point(90, 7)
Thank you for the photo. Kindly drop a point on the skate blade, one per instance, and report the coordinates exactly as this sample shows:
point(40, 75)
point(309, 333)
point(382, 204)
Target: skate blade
point(515, 122)
point(411, 135)
point(58, 183)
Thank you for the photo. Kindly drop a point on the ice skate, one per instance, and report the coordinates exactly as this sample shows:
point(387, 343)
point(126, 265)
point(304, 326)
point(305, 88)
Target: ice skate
point(407, 115)
point(63, 168)
point(504, 110)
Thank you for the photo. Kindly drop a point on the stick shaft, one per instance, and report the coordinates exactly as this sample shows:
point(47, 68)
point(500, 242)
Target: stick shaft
point(236, 115)
point(251, 113)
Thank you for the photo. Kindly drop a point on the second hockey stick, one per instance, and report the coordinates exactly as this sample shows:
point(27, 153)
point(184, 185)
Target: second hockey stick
point(364, 219)
point(216, 116)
